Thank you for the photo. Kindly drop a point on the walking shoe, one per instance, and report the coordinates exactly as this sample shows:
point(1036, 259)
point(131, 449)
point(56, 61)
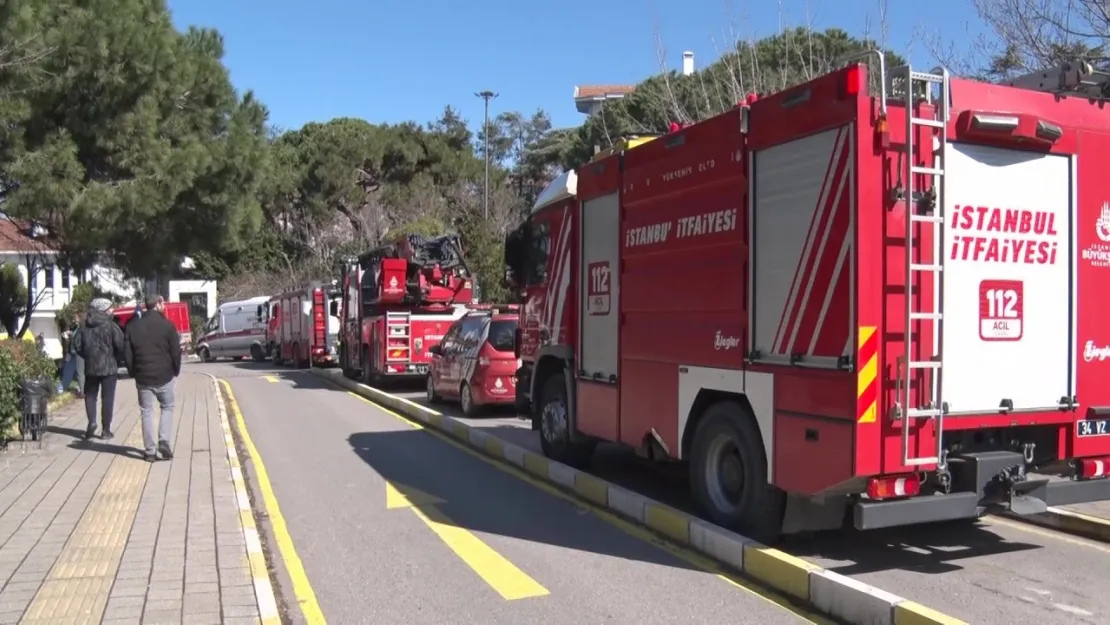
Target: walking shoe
point(106, 435)
point(165, 451)
point(149, 457)
point(90, 432)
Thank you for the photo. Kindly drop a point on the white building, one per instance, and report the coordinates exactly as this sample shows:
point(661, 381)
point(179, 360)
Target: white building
point(52, 285)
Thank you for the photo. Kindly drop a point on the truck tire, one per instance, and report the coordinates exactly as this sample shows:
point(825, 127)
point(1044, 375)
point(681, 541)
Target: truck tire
point(368, 377)
point(554, 426)
point(728, 474)
point(275, 355)
point(257, 354)
point(205, 355)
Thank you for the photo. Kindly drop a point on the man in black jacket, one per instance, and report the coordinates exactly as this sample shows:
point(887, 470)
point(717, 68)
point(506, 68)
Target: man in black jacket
point(153, 356)
point(100, 342)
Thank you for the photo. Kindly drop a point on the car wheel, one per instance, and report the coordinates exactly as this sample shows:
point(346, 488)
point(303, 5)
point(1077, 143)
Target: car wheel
point(466, 402)
point(257, 354)
point(430, 390)
point(205, 355)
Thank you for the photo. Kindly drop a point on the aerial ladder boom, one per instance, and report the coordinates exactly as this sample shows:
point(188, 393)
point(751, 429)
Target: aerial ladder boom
point(1077, 78)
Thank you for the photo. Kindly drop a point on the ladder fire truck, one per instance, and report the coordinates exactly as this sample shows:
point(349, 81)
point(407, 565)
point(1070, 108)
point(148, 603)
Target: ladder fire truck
point(397, 301)
point(302, 327)
point(867, 299)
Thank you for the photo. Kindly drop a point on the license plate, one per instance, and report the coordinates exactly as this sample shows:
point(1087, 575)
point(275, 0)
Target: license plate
point(421, 368)
point(1092, 427)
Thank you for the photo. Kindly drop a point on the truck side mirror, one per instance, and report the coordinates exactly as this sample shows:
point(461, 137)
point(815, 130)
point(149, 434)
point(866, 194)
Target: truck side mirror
point(436, 350)
point(258, 312)
point(333, 308)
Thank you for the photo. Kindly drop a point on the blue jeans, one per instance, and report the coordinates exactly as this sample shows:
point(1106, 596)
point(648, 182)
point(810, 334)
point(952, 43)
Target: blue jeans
point(74, 367)
point(164, 395)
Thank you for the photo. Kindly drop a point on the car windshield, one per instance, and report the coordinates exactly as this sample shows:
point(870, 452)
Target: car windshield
point(501, 333)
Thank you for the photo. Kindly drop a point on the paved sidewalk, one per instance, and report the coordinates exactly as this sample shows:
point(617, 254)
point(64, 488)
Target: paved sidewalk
point(91, 533)
point(1099, 509)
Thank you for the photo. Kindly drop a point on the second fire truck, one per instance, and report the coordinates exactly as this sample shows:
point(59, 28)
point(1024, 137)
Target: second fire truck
point(865, 301)
point(397, 301)
point(302, 327)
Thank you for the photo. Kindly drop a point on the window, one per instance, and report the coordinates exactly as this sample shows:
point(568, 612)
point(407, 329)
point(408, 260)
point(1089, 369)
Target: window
point(502, 333)
point(471, 331)
point(48, 275)
point(541, 241)
point(65, 278)
point(449, 339)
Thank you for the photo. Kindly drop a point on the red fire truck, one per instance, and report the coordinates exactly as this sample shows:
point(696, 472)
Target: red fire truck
point(818, 301)
point(397, 301)
point(302, 326)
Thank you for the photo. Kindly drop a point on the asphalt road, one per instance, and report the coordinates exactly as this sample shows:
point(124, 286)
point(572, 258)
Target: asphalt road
point(478, 545)
point(994, 571)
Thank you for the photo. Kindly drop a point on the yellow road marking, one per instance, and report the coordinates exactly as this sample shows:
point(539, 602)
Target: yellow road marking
point(270, 378)
point(302, 588)
point(503, 576)
point(691, 557)
point(77, 587)
point(398, 496)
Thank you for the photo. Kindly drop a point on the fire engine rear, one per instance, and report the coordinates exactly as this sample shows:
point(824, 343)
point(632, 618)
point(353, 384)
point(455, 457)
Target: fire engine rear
point(398, 300)
point(862, 299)
point(302, 326)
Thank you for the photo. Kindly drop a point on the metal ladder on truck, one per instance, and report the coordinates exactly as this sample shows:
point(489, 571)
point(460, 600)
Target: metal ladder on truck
point(919, 86)
point(397, 328)
point(1076, 78)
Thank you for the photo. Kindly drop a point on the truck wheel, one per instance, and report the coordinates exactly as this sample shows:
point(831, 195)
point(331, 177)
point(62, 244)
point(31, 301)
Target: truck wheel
point(466, 402)
point(554, 426)
point(205, 355)
point(275, 356)
point(728, 474)
point(368, 377)
point(257, 354)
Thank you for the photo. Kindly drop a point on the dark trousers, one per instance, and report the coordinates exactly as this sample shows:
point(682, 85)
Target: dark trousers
point(94, 384)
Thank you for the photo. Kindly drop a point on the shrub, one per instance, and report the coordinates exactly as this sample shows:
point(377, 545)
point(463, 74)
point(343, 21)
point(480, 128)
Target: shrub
point(19, 360)
point(196, 327)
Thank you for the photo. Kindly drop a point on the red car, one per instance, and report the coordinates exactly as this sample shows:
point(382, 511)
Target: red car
point(475, 362)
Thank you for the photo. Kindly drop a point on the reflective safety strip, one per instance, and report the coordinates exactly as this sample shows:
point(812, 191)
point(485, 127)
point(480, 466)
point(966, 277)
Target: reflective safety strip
point(867, 377)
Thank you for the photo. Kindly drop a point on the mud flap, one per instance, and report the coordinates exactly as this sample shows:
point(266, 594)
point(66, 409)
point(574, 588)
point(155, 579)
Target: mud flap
point(1024, 499)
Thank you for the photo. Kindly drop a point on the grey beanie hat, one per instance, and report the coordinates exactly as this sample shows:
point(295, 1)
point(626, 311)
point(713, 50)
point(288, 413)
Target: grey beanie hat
point(100, 304)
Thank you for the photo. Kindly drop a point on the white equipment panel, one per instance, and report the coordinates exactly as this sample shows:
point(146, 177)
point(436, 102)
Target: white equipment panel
point(599, 288)
point(1008, 292)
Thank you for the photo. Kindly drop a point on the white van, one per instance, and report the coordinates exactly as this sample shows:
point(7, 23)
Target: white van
point(233, 331)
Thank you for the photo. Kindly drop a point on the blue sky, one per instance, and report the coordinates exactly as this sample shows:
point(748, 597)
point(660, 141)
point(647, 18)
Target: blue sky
point(312, 61)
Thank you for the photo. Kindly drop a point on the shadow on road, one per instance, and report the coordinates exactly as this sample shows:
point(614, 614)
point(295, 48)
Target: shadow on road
point(929, 549)
point(482, 499)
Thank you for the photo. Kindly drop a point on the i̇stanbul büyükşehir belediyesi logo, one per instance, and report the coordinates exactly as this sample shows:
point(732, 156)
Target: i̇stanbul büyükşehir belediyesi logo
point(1098, 254)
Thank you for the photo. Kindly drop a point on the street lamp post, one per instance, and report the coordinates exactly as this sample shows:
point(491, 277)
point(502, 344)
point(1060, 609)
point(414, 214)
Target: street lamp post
point(487, 96)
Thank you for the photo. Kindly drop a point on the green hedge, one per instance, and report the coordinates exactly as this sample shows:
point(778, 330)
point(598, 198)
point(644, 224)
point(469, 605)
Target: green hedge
point(19, 360)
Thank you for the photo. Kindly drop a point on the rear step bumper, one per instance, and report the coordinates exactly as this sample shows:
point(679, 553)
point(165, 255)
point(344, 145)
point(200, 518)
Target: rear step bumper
point(975, 490)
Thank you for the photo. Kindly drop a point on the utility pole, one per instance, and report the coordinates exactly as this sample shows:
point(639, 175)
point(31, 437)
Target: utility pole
point(487, 96)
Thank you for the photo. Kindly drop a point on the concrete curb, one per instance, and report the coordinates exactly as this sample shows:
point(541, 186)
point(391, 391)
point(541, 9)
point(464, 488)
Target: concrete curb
point(1069, 522)
point(837, 596)
point(260, 574)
